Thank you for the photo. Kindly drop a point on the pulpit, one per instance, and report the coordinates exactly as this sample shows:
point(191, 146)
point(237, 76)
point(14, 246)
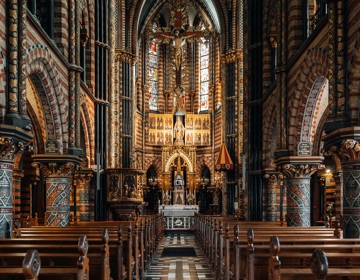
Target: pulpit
point(125, 193)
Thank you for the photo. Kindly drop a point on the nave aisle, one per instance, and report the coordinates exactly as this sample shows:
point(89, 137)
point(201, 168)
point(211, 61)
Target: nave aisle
point(178, 258)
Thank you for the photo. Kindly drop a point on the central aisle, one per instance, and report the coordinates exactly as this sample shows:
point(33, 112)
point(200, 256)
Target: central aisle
point(177, 258)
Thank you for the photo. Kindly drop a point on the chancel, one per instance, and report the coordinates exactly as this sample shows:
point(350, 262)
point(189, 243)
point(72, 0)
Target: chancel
point(143, 124)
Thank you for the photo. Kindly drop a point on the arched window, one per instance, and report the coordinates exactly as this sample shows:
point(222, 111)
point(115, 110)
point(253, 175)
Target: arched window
point(204, 76)
point(153, 76)
point(313, 13)
point(43, 10)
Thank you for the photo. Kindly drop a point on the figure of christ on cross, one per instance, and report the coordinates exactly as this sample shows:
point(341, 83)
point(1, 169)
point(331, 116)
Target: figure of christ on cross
point(179, 33)
point(178, 45)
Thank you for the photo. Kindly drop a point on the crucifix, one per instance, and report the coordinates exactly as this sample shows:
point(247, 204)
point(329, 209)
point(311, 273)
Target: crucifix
point(178, 33)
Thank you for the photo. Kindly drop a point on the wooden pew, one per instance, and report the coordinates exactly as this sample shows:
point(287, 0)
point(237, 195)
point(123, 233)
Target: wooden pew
point(222, 245)
point(215, 240)
point(30, 267)
point(296, 256)
point(318, 269)
point(29, 264)
point(63, 238)
point(144, 240)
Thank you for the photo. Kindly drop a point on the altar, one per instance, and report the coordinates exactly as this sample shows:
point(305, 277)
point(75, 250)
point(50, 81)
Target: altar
point(178, 217)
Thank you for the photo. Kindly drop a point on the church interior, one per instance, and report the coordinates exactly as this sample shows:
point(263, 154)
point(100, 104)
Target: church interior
point(188, 110)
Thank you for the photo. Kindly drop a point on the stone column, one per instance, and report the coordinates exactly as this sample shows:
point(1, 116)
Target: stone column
point(13, 141)
point(6, 203)
point(16, 193)
point(26, 122)
point(298, 171)
point(349, 152)
point(274, 181)
point(84, 196)
point(58, 171)
point(74, 79)
point(12, 116)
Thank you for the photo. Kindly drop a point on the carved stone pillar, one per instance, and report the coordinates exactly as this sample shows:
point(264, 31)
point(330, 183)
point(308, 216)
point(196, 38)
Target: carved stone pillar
point(6, 174)
point(84, 196)
point(58, 171)
point(12, 116)
point(349, 153)
point(298, 171)
point(22, 64)
point(274, 182)
point(12, 143)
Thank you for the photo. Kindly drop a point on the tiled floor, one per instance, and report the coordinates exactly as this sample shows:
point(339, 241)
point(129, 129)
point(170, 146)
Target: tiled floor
point(179, 268)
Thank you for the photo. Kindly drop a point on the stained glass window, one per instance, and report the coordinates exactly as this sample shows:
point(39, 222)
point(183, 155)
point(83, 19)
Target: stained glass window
point(204, 76)
point(153, 76)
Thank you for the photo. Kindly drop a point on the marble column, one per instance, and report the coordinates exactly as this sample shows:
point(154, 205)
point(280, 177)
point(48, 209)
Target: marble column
point(6, 203)
point(298, 171)
point(12, 143)
point(350, 155)
point(84, 196)
point(58, 171)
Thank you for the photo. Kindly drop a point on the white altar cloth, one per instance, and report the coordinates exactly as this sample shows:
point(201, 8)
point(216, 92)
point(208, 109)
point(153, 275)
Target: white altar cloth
point(178, 216)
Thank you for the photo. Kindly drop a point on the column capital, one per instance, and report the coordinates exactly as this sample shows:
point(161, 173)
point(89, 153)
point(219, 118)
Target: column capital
point(273, 176)
point(56, 165)
point(83, 175)
point(18, 174)
point(347, 150)
point(13, 140)
point(299, 166)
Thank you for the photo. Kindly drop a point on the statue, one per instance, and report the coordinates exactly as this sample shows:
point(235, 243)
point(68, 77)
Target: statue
point(178, 42)
point(179, 130)
point(115, 192)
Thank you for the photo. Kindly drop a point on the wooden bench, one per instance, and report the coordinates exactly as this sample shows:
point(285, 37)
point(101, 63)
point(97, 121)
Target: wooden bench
point(220, 244)
point(119, 256)
point(231, 257)
point(29, 264)
point(30, 267)
point(319, 267)
point(130, 260)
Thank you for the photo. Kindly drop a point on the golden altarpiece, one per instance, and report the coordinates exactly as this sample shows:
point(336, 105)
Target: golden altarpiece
point(176, 130)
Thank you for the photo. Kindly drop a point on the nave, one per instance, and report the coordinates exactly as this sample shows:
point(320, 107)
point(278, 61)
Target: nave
point(179, 257)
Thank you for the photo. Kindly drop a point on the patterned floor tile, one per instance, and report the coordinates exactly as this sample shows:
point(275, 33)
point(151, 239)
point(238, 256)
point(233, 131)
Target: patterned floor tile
point(179, 268)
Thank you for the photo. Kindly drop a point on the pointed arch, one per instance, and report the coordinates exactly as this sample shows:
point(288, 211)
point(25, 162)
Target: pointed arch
point(88, 126)
point(270, 135)
point(314, 65)
point(54, 104)
point(183, 156)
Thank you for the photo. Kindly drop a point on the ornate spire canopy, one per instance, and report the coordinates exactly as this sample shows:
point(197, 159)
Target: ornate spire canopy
point(224, 162)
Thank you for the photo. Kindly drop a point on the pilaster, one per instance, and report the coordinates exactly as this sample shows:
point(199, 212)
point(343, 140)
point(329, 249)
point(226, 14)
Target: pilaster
point(84, 203)
point(274, 195)
point(16, 193)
